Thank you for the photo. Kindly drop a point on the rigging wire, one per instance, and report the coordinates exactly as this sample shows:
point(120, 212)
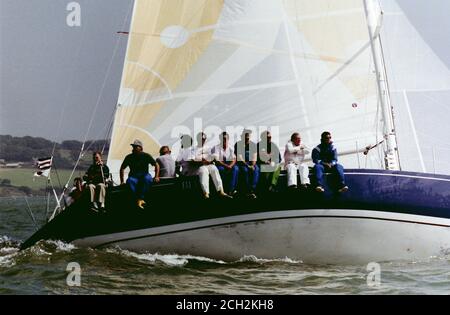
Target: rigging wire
point(61, 116)
point(82, 151)
point(108, 132)
point(69, 90)
point(30, 213)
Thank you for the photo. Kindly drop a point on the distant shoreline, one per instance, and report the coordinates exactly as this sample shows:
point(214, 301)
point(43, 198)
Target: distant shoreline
point(18, 157)
point(21, 182)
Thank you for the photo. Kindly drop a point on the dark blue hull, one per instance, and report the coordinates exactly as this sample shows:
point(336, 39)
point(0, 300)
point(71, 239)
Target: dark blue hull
point(404, 192)
point(179, 201)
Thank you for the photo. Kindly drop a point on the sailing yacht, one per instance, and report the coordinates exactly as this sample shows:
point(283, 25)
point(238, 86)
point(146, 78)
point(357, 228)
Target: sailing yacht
point(286, 65)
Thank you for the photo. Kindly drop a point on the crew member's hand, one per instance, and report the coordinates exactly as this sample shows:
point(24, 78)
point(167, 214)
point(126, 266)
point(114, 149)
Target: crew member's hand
point(205, 162)
point(156, 179)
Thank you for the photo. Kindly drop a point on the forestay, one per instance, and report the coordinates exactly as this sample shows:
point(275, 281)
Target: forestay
point(420, 92)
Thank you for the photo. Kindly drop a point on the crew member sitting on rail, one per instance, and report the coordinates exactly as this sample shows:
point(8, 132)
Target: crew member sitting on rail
point(203, 160)
point(166, 163)
point(225, 160)
point(184, 165)
point(324, 157)
point(269, 159)
point(96, 178)
point(76, 191)
point(139, 178)
point(246, 154)
point(294, 155)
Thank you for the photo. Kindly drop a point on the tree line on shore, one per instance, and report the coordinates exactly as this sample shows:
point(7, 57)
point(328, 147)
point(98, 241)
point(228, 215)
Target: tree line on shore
point(27, 149)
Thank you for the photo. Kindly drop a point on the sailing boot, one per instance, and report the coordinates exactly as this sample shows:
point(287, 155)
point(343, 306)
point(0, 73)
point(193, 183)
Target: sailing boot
point(343, 189)
point(141, 203)
point(102, 208)
point(223, 194)
point(94, 207)
point(304, 186)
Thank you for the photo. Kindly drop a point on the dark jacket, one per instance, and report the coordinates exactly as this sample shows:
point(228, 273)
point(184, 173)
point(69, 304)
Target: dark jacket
point(94, 174)
point(324, 153)
point(138, 163)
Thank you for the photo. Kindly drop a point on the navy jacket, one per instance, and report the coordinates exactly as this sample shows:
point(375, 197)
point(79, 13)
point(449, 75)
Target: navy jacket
point(324, 153)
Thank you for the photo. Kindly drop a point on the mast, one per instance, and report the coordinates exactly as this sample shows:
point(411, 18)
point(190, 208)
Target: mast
point(392, 161)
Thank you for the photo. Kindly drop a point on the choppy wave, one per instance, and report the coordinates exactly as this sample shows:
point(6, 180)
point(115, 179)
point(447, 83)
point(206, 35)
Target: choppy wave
point(115, 270)
point(62, 246)
point(252, 258)
point(168, 259)
point(181, 260)
point(8, 250)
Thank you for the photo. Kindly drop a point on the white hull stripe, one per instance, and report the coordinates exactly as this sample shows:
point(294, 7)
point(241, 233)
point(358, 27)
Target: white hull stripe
point(108, 239)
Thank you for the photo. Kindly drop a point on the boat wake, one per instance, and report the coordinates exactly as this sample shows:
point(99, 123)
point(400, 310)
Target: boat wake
point(113, 270)
point(9, 254)
point(8, 250)
point(182, 260)
point(170, 260)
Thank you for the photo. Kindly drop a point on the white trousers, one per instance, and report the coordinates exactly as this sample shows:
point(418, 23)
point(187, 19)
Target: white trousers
point(204, 172)
point(292, 173)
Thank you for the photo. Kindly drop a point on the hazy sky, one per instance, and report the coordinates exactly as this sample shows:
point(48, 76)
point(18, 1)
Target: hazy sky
point(47, 66)
point(49, 70)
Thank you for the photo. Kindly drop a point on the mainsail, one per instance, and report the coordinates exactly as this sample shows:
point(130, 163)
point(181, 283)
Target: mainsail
point(286, 65)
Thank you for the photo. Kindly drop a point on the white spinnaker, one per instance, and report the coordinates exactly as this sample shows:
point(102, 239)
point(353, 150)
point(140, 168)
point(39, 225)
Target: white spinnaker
point(420, 93)
point(296, 65)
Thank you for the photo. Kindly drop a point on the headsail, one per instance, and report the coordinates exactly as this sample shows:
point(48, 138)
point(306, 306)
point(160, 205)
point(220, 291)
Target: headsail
point(420, 92)
point(296, 65)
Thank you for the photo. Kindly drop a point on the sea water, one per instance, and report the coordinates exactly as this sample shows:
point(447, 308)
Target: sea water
point(47, 268)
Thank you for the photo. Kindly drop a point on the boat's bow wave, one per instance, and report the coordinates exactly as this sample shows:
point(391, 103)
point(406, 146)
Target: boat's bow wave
point(10, 254)
point(184, 260)
point(8, 250)
point(169, 259)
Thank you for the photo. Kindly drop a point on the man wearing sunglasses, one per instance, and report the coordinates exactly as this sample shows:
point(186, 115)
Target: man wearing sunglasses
point(324, 157)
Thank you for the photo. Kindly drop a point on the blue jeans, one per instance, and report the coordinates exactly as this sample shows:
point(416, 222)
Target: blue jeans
point(140, 184)
point(251, 177)
point(229, 176)
point(336, 169)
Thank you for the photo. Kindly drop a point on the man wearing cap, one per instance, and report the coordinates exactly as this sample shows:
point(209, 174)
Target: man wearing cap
point(139, 178)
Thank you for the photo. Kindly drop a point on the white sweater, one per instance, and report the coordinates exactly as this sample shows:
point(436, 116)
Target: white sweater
point(295, 154)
